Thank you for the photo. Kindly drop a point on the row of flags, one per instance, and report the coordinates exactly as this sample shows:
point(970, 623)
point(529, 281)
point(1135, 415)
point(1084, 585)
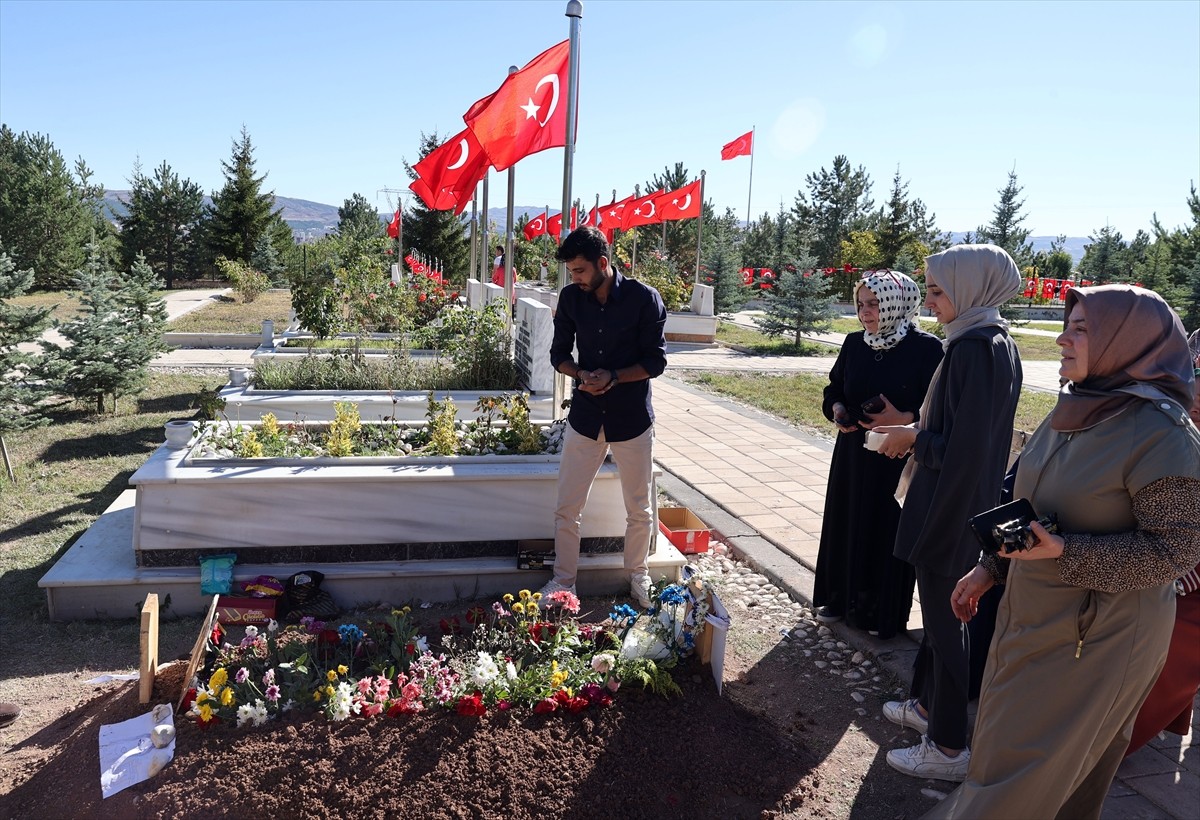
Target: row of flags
point(1051, 288)
point(630, 212)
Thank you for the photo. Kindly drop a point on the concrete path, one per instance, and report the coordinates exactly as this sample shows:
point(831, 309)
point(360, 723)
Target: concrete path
point(760, 484)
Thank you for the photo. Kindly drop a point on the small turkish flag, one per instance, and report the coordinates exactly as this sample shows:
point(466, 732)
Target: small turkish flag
point(536, 227)
point(681, 204)
point(747, 276)
point(642, 211)
point(528, 113)
point(448, 174)
point(610, 217)
point(393, 228)
point(739, 147)
point(1048, 288)
point(1064, 286)
point(1030, 287)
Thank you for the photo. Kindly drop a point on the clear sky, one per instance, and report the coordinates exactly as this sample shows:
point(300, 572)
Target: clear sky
point(1095, 104)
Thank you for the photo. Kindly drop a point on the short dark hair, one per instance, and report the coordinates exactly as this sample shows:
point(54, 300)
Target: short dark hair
point(587, 242)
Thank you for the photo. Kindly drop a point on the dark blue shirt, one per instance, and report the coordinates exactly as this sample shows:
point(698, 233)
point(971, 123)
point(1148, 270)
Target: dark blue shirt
point(626, 330)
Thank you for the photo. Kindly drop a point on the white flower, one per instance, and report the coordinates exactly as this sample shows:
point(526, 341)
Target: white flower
point(485, 670)
point(252, 632)
point(245, 714)
point(259, 713)
point(422, 644)
point(603, 662)
point(272, 626)
point(510, 671)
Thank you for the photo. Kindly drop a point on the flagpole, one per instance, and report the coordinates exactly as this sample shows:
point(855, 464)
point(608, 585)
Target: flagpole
point(485, 251)
point(700, 226)
point(474, 232)
point(509, 284)
point(575, 13)
point(749, 188)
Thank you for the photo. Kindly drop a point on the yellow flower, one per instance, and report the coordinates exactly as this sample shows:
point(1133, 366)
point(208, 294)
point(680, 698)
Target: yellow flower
point(218, 679)
point(518, 608)
point(329, 690)
point(406, 610)
point(331, 676)
point(508, 598)
point(553, 666)
point(556, 680)
point(523, 595)
point(537, 596)
point(201, 696)
point(227, 697)
point(206, 713)
point(342, 669)
point(317, 695)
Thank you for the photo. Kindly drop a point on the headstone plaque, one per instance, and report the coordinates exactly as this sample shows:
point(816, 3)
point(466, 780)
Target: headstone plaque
point(492, 293)
point(534, 331)
point(702, 300)
point(474, 294)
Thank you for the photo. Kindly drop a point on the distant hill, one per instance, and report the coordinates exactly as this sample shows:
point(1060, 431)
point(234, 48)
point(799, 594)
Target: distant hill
point(311, 220)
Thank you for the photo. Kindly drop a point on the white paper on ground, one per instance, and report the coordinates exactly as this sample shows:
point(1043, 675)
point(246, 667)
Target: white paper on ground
point(126, 752)
point(111, 678)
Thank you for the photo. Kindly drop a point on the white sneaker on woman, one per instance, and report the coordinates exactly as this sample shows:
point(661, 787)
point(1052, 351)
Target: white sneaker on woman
point(905, 713)
point(927, 760)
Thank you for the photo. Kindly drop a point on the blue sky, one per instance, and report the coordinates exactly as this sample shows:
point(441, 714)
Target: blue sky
point(1096, 105)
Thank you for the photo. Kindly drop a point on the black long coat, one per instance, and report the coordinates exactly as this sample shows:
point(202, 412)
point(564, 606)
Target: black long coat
point(856, 572)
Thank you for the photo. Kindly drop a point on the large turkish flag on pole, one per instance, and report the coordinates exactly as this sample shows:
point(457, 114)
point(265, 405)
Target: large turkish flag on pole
point(683, 203)
point(641, 211)
point(449, 173)
point(535, 227)
point(528, 113)
point(610, 217)
point(740, 147)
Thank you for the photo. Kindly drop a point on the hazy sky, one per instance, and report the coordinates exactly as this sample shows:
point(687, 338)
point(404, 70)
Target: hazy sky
point(1096, 105)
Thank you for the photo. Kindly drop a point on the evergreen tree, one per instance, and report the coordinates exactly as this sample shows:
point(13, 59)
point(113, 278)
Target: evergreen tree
point(677, 238)
point(358, 219)
point(722, 264)
point(113, 339)
point(240, 211)
point(266, 261)
point(1191, 297)
point(439, 234)
point(47, 213)
point(162, 222)
point(837, 202)
point(1183, 244)
point(1005, 229)
point(906, 227)
point(1103, 260)
point(23, 397)
point(802, 301)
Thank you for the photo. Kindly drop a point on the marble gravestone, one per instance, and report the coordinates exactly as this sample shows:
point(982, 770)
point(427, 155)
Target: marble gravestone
point(492, 293)
point(474, 294)
point(534, 330)
point(702, 300)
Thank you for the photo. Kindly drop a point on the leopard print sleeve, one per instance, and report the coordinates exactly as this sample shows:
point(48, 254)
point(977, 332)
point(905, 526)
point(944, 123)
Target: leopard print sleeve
point(1165, 545)
point(996, 567)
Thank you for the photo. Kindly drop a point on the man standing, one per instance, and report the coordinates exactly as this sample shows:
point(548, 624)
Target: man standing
point(617, 325)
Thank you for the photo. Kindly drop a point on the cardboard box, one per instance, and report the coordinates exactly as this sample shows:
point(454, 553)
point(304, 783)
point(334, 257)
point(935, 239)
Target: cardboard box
point(683, 529)
point(535, 553)
point(244, 611)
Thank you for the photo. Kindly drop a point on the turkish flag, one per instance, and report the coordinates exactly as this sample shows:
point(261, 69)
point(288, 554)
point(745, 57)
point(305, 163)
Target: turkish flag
point(642, 211)
point(1085, 283)
point(393, 229)
point(554, 224)
point(1030, 287)
point(1064, 286)
point(739, 147)
point(681, 204)
point(528, 113)
point(535, 227)
point(747, 276)
point(610, 217)
point(1048, 288)
point(448, 174)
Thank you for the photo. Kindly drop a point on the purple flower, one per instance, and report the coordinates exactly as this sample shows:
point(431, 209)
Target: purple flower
point(269, 677)
point(272, 693)
point(242, 675)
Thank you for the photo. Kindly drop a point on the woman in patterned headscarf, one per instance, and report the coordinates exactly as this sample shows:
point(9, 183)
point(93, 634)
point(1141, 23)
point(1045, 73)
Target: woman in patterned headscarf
point(890, 360)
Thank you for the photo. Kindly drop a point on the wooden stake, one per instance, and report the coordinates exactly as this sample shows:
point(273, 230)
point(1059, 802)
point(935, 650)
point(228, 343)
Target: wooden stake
point(149, 648)
point(7, 463)
point(198, 651)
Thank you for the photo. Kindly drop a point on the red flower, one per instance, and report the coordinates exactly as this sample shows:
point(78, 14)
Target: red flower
point(545, 707)
point(605, 701)
point(422, 297)
point(471, 706)
point(542, 631)
point(577, 704)
point(410, 648)
point(205, 724)
point(452, 626)
point(562, 696)
point(188, 699)
point(454, 295)
point(329, 636)
point(475, 615)
point(391, 284)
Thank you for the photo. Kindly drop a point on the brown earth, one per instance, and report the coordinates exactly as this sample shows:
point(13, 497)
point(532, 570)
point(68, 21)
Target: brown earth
point(784, 740)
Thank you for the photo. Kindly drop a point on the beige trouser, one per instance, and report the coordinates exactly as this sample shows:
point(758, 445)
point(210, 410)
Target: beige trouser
point(581, 460)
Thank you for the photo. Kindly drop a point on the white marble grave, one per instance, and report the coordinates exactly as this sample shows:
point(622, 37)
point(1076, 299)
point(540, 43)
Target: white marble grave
point(534, 331)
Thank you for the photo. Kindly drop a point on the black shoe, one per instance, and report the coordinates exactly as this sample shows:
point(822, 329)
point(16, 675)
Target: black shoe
point(829, 615)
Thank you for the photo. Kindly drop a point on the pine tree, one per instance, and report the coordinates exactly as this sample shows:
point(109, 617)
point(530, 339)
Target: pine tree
point(1102, 260)
point(438, 234)
point(115, 337)
point(722, 264)
point(838, 202)
point(1005, 229)
point(266, 260)
point(802, 301)
point(23, 396)
point(358, 220)
point(162, 222)
point(240, 212)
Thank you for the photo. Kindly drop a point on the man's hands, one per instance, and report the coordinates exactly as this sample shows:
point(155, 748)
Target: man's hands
point(596, 381)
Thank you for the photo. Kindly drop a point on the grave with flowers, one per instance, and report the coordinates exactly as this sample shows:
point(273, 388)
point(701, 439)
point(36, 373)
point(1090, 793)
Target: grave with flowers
point(521, 652)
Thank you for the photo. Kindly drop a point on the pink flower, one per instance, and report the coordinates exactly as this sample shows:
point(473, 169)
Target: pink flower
point(242, 675)
point(503, 705)
point(272, 693)
point(372, 709)
point(613, 684)
point(566, 599)
point(591, 691)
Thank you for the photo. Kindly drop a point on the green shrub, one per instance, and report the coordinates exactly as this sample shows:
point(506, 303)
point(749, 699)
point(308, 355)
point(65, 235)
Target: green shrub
point(249, 283)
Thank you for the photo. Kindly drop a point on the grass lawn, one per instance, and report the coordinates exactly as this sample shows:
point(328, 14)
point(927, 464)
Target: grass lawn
point(797, 398)
point(229, 314)
point(763, 345)
point(344, 344)
point(65, 304)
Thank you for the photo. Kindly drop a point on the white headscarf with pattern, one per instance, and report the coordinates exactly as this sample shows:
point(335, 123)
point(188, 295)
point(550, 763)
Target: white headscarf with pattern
point(899, 300)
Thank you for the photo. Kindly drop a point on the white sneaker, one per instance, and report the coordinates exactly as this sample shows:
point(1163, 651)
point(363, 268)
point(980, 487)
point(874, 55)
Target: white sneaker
point(639, 589)
point(927, 760)
point(551, 587)
point(905, 713)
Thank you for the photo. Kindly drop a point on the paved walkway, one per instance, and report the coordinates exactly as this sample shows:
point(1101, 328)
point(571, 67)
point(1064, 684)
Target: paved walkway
point(760, 484)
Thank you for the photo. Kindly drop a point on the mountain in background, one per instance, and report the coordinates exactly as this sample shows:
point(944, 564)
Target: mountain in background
point(311, 220)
